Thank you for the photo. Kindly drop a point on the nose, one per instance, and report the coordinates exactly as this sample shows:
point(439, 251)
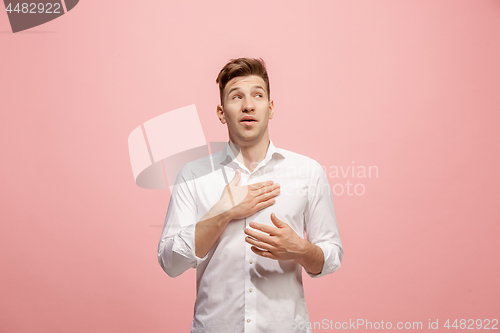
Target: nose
point(248, 105)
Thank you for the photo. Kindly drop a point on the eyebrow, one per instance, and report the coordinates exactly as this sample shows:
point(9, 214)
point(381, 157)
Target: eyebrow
point(237, 88)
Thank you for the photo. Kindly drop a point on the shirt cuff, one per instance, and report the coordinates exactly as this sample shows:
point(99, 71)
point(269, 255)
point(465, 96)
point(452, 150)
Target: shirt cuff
point(332, 254)
point(184, 244)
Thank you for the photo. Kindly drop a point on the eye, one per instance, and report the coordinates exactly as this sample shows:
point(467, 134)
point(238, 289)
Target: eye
point(236, 96)
point(258, 95)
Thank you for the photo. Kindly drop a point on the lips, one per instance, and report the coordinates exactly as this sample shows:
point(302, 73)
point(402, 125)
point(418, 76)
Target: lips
point(248, 120)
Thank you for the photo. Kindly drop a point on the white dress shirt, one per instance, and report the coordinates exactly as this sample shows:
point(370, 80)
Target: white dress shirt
point(237, 290)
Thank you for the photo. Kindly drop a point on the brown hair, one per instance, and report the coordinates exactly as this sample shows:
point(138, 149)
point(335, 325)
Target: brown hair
point(242, 67)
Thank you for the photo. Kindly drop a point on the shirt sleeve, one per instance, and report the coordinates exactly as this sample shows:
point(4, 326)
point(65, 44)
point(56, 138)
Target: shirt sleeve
point(320, 221)
point(176, 249)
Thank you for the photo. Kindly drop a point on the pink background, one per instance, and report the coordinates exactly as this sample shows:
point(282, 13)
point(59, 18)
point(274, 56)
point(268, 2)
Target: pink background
point(408, 86)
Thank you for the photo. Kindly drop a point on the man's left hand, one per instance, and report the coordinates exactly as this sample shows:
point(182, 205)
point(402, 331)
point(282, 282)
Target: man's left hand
point(280, 243)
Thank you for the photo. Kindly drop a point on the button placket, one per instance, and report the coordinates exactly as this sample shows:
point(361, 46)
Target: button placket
point(250, 294)
point(249, 291)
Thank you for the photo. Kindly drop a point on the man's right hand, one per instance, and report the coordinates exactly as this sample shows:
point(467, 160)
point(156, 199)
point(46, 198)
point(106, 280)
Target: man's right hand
point(236, 202)
point(243, 201)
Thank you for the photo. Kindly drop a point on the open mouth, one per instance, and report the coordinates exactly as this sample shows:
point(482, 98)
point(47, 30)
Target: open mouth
point(248, 120)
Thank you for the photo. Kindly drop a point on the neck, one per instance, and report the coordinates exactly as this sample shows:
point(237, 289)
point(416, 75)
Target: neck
point(250, 155)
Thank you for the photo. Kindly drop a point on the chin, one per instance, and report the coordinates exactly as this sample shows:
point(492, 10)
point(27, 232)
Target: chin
point(246, 137)
point(249, 139)
point(242, 139)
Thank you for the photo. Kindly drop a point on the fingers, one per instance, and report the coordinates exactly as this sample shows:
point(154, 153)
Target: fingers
point(277, 222)
point(262, 227)
point(236, 179)
point(257, 186)
point(265, 254)
point(264, 204)
point(268, 196)
point(267, 189)
point(258, 244)
point(263, 237)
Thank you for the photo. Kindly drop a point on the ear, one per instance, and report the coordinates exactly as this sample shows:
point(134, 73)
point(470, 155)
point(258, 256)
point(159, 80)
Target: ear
point(271, 109)
point(220, 114)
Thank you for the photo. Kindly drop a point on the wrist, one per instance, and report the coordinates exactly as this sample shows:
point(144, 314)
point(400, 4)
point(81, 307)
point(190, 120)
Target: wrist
point(304, 248)
point(219, 209)
point(227, 215)
point(312, 258)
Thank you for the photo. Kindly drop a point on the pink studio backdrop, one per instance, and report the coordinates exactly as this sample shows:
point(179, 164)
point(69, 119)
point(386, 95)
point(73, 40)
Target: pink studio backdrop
point(408, 87)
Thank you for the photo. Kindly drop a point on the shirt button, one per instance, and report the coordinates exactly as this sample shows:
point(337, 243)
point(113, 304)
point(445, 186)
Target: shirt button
point(250, 261)
point(249, 320)
point(250, 290)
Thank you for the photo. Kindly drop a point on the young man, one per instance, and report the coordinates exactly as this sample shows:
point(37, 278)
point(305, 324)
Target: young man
point(246, 237)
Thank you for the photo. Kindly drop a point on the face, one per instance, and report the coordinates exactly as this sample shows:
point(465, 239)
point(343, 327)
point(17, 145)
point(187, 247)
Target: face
point(246, 110)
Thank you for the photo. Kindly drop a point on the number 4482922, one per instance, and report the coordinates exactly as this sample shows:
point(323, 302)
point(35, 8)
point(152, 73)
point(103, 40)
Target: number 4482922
point(40, 8)
point(471, 324)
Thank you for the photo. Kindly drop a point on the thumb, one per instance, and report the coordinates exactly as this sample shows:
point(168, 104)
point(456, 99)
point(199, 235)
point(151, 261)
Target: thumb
point(277, 222)
point(236, 179)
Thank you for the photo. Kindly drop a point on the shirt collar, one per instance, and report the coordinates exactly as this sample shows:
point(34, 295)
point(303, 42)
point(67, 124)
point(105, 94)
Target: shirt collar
point(272, 150)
